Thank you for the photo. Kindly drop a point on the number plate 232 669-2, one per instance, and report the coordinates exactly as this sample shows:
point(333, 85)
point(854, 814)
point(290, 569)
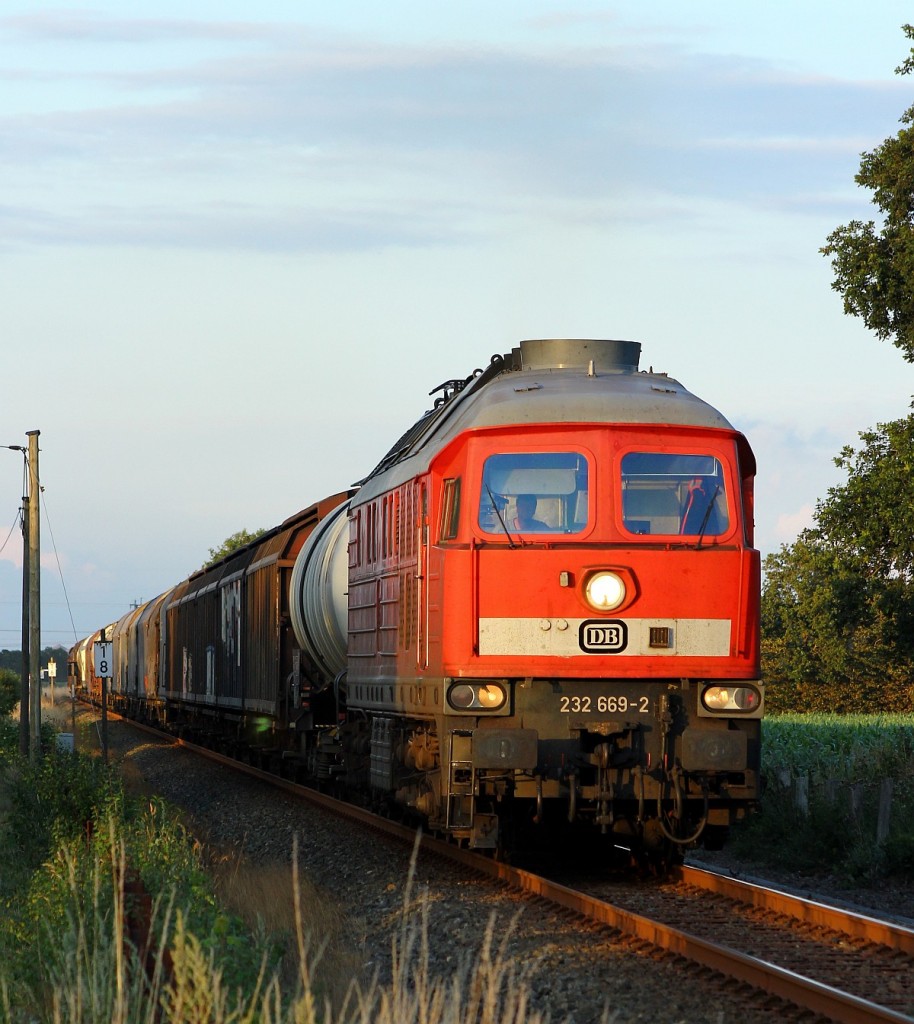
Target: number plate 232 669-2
point(604, 704)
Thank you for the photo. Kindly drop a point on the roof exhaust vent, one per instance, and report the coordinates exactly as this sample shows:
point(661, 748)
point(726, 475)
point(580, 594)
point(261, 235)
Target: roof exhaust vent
point(593, 355)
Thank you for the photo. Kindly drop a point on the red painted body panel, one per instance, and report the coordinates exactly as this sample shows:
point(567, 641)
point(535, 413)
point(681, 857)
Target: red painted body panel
point(433, 630)
point(704, 584)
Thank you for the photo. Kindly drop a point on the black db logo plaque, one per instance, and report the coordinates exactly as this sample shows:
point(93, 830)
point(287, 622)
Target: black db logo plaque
point(603, 636)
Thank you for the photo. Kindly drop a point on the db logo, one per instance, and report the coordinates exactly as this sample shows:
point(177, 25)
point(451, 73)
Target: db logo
point(603, 636)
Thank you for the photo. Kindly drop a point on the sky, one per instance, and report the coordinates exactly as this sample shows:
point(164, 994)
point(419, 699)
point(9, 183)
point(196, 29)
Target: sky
point(240, 243)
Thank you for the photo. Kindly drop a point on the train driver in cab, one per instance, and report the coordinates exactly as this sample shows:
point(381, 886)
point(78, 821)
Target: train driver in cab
point(525, 520)
point(705, 508)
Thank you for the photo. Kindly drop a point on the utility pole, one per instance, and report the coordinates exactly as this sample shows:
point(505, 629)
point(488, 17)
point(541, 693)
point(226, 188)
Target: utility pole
point(29, 721)
point(24, 697)
point(34, 599)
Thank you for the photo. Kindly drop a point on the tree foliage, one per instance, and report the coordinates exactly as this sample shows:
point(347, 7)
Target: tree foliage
point(13, 659)
point(874, 266)
point(9, 691)
point(230, 544)
point(873, 513)
point(838, 604)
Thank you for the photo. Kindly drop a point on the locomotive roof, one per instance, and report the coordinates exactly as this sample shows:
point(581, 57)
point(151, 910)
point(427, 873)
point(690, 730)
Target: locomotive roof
point(599, 382)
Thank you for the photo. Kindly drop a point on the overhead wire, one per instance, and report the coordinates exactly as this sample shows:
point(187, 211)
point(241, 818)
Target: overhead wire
point(25, 484)
point(16, 522)
point(63, 585)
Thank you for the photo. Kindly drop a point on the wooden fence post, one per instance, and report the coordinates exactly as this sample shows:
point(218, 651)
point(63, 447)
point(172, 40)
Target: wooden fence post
point(801, 795)
point(856, 800)
point(885, 811)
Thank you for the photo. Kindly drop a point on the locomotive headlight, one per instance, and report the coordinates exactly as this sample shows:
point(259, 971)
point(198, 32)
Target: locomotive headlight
point(490, 696)
point(461, 696)
point(604, 591)
point(734, 699)
point(716, 698)
point(477, 696)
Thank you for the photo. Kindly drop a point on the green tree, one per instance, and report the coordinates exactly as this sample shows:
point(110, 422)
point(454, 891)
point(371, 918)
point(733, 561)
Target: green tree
point(13, 659)
point(230, 544)
point(874, 266)
point(873, 513)
point(838, 604)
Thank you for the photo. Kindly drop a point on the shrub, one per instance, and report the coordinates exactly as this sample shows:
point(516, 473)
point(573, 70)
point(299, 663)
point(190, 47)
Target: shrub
point(53, 800)
point(66, 899)
point(9, 691)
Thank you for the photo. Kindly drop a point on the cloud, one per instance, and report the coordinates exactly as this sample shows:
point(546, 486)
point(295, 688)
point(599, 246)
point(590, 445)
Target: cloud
point(790, 144)
point(238, 226)
point(9, 554)
point(373, 127)
point(789, 524)
point(92, 27)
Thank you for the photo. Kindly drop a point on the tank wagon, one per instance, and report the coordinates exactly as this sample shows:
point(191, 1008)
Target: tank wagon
point(538, 615)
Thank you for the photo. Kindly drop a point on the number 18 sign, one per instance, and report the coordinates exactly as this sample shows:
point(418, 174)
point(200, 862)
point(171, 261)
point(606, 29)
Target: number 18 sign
point(103, 659)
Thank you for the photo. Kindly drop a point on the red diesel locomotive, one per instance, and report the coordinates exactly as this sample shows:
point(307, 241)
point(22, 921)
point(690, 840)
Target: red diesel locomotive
point(539, 615)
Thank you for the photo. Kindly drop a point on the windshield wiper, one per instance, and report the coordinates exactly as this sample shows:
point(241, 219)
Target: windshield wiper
point(498, 513)
point(707, 516)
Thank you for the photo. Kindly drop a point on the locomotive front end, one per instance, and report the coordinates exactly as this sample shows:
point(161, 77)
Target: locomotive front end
point(599, 624)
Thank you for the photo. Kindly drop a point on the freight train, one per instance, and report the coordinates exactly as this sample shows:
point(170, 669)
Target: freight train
point(537, 616)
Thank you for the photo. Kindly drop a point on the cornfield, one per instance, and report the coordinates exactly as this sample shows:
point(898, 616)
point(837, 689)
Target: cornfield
point(842, 748)
point(838, 796)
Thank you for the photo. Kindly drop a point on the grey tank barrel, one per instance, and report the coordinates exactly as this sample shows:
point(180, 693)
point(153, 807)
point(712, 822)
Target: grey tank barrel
point(318, 593)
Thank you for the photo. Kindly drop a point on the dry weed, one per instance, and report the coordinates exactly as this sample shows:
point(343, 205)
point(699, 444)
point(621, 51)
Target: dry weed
point(273, 899)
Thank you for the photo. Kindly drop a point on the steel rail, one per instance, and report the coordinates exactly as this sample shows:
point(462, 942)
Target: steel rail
point(847, 922)
point(760, 974)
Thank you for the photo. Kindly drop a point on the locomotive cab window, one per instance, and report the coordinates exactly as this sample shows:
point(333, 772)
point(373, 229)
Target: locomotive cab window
point(450, 509)
point(534, 492)
point(666, 493)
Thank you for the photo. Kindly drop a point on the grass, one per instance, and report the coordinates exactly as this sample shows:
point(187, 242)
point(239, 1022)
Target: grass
point(71, 834)
point(267, 897)
point(89, 972)
point(110, 911)
point(837, 754)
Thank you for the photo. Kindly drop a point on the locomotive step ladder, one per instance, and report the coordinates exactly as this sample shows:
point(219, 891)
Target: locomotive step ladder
point(462, 819)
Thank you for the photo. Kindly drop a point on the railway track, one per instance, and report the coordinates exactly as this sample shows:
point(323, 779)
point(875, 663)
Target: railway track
point(834, 964)
point(843, 965)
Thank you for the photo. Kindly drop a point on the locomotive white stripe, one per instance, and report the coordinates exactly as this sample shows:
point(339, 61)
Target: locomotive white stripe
point(560, 638)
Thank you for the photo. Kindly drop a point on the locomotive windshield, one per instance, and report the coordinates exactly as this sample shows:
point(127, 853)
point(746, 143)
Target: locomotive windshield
point(674, 494)
point(534, 492)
